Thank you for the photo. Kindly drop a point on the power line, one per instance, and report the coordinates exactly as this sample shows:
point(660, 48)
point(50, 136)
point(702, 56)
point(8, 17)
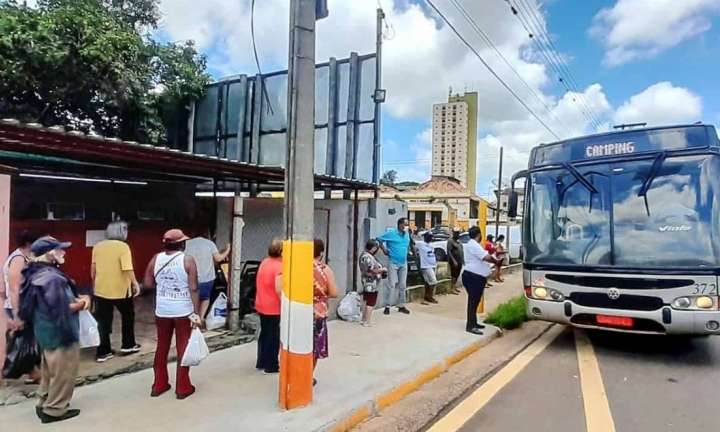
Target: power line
point(442, 16)
point(527, 17)
point(488, 41)
point(545, 38)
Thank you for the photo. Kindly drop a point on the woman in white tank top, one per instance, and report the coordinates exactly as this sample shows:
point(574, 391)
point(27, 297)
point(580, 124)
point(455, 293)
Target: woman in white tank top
point(174, 275)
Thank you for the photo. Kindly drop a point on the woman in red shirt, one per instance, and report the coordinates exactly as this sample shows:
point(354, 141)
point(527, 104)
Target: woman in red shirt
point(267, 303)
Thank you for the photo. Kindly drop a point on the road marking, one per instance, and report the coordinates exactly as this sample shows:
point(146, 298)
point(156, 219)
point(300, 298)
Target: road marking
point(456, 419)
point(598, 417)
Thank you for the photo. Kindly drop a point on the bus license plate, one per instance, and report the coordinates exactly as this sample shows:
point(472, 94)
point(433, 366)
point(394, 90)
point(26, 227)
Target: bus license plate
point(615, 321)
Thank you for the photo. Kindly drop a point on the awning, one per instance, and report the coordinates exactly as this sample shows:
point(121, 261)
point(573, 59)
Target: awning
point(34, 147)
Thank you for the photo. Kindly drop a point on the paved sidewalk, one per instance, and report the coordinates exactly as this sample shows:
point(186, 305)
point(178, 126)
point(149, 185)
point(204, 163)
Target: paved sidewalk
point(367, 367)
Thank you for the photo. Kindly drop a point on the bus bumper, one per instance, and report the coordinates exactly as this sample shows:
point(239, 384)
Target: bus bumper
point(662, 321)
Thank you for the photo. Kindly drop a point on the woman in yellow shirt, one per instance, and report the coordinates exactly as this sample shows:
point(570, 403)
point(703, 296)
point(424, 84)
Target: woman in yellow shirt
point(115, 288)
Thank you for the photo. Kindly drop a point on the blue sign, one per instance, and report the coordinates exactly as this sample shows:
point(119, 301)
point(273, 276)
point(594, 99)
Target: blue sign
point(622, 143)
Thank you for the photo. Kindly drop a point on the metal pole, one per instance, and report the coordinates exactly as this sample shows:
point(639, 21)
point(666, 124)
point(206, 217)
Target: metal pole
point(236, 261)
point(296, 320)
point(378, 114)
point(500, 186)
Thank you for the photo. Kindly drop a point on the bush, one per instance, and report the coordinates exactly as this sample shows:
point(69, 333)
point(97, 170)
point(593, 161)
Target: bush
point(509, 315)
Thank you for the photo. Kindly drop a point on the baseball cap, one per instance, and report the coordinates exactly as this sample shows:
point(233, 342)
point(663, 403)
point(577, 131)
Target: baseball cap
point(46, 244)
point(175, 236)
point(456, 229)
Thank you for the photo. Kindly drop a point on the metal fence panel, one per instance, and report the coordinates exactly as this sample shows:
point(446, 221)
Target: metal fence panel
point(264, 124)
point(264, 221)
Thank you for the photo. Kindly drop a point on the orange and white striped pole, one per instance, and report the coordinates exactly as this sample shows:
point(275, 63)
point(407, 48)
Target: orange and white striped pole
point(296, 315)
point(296, 325)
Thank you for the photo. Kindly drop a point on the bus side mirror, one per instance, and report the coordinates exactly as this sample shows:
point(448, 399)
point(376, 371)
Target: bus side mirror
point(512, 205)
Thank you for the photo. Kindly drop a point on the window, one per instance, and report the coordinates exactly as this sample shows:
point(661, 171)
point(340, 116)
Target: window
point(65, 211)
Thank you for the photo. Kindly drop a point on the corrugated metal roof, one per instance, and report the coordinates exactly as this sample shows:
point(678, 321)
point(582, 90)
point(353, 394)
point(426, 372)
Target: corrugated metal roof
point(59, 145)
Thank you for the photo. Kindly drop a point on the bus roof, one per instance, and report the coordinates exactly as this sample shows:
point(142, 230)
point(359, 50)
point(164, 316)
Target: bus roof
point(624, 142)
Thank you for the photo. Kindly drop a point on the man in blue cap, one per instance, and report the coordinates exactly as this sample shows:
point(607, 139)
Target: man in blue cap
point(49, 301)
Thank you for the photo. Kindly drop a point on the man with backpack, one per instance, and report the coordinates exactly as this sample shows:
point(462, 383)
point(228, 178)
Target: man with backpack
point(50, 304)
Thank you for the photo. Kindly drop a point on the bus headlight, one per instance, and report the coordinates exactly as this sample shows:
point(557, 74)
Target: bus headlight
point(704, 302)
point(540, 292)
point(547, 294)
point(556, 295)
point(681, 303)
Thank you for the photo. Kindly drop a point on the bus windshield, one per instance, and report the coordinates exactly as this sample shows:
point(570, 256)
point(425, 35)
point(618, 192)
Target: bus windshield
point(661, 212)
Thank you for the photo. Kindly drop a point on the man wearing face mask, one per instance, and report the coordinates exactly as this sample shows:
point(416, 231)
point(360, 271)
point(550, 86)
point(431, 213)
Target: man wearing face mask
point(49, 301)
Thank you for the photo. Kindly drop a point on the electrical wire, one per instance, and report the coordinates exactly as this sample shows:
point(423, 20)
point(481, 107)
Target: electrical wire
point(388, 25)
point(527, 17)
point(477, 54)
point(570, 79)
point(263, 89)
point(488, 41)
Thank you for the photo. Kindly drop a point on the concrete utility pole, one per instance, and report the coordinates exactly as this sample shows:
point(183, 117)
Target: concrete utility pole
point(296, 320)
point(500, 187)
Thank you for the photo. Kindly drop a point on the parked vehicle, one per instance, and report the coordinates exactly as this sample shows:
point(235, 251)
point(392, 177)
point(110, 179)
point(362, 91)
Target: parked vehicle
point(515, 248)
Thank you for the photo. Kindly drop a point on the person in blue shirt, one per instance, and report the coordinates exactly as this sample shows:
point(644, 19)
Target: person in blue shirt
point(396, 244)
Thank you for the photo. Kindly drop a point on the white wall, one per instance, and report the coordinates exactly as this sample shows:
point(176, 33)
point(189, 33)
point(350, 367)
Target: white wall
point(264, 221)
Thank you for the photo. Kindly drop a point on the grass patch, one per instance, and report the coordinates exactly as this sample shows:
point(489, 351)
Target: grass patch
point(509, 315)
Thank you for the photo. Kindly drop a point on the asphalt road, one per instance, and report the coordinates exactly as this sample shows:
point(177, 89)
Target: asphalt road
point(598, 382)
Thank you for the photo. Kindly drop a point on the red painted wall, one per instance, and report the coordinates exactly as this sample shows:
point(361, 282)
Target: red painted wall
point(30, 198)
point(144, 238)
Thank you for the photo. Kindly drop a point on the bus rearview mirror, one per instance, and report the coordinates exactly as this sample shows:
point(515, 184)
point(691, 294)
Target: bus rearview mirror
point(512, 205)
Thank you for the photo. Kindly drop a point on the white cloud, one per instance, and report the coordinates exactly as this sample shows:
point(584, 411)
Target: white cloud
point(660, 104)
point(419, 151)
point(420, 63)
point(634, 29)
point(424, 59)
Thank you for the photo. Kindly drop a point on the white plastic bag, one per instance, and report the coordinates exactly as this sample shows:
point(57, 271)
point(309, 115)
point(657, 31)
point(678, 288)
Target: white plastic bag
point(349, 307)
point(216, 318)
point(89, 336)
point(196, 351)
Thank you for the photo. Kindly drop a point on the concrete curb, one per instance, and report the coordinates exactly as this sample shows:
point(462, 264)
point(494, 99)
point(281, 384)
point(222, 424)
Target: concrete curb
point(372, 408)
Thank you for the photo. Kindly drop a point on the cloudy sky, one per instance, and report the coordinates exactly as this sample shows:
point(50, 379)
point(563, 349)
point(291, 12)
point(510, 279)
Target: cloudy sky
point(653, 61)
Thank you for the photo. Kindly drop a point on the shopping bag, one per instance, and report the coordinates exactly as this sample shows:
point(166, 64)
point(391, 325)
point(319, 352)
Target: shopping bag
point(349, 307)
point(89, 334)
point(23, 354)
point(218, 313)
point(196, 351)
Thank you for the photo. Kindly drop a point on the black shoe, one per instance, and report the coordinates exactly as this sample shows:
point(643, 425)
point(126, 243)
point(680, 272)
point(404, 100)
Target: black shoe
point(160, 393)
point(386, 311)
point(52, 419)
point(480, 326)
point(271, 371)
point(404, 310)
point(39, 412)
point(128, 351)
point(186, 395)
point(432, 300)
point(314, 382)
point(105, 357)
point(475, 330)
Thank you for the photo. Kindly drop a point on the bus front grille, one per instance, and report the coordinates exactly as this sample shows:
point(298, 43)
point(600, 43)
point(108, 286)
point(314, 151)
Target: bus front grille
point(625, 301)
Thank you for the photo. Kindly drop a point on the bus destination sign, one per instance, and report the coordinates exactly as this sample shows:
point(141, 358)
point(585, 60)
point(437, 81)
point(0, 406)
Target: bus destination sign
point(620, 148)
point(625, 143)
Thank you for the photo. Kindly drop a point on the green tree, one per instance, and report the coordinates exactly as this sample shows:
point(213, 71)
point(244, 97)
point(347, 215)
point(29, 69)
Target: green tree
point(389, 178)
point(92, 65)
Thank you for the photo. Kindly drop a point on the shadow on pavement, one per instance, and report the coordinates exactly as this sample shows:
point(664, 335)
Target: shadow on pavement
point(670, 350)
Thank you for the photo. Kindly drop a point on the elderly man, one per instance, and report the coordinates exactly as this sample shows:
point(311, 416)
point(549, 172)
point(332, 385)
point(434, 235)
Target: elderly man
point(50, 302)
point(115, 287)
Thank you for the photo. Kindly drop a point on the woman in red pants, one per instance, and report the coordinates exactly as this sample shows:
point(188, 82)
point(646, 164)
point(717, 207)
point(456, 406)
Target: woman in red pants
point(174, 275)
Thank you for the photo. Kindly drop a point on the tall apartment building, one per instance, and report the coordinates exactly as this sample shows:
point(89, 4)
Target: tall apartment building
point(454, 144)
